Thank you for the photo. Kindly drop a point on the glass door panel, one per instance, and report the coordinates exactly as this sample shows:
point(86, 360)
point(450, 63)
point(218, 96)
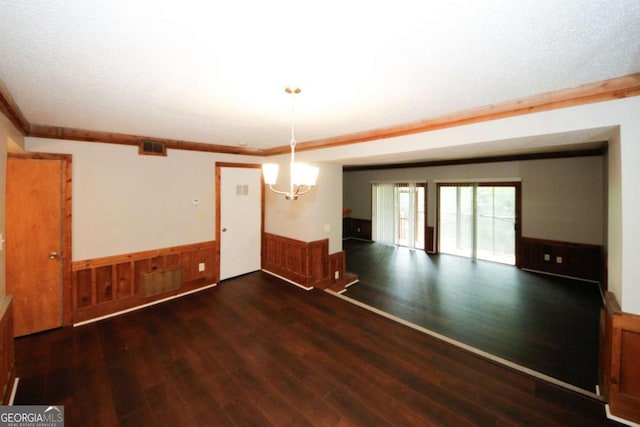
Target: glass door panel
point(410, 215)
point(456, 220)
point(495, 231)
point(478, 221)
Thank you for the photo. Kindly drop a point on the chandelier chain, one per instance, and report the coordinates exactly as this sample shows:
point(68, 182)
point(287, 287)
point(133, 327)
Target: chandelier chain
point(293, 92)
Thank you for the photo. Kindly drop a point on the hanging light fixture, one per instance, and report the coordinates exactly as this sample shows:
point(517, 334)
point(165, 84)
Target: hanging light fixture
point(302, 176)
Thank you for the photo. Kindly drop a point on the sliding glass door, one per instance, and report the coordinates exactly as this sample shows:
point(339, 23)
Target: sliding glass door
point(479, 220)
point(398, 213)
point(456, 220)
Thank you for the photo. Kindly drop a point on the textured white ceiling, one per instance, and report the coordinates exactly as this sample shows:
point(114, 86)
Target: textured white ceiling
point(214, 72)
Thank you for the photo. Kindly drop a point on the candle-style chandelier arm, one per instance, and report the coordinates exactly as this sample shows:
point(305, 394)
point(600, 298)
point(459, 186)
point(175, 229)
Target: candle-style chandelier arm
point(299, 190)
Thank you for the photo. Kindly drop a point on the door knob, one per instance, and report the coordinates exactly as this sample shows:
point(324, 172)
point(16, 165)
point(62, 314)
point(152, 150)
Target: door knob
point(53, 255)
point(224, 229)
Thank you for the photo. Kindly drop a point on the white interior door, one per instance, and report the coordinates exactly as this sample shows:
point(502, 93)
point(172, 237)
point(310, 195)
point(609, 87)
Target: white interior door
point(240, 221)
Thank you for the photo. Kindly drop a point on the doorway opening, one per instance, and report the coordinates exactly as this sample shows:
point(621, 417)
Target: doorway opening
point(479, 220)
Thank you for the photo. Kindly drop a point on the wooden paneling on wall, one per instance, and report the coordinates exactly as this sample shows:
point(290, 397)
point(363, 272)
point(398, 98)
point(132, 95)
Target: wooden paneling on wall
point(7, 349)
point(619, 355)
point(577, 260)
point(429, 243)
point(337, 262)
point(356, 228)
point(107, 285)
point(305, 263)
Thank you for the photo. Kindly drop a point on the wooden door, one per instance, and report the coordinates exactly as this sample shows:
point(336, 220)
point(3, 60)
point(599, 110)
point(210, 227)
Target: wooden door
point(239, 211)
point(34, 227)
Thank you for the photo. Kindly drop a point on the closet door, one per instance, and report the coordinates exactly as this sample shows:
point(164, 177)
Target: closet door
point(240, 221)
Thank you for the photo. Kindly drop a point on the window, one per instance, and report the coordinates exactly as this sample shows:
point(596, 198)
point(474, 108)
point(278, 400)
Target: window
point(398, 213)
point(478, 220)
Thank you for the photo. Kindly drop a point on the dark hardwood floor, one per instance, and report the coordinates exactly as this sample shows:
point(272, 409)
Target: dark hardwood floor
point(257, 351)
point(545, 323)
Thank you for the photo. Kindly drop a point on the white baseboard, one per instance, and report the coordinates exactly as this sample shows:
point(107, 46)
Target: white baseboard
point(138, 307)
point(14, 390)
point(306, 288)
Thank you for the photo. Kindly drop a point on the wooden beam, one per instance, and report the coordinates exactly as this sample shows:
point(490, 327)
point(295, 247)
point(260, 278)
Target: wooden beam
point(486, 159)
point(9, 108)
point(606, 90)
point(44, 131)
point(616, 88)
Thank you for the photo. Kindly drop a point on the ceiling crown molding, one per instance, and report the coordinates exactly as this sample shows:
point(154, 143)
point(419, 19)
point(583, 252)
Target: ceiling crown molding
point(72, 134)
point(10, 109)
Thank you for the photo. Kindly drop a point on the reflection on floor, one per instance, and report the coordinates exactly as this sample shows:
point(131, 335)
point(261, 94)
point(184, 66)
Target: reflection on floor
point(545, 323)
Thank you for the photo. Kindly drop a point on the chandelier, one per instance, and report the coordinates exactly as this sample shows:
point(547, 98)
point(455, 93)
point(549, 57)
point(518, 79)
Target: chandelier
point(302, 176)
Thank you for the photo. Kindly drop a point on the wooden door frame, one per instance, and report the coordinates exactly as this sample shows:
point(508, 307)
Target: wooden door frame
point(518, 209)
point(219, 166)
point(66, 204)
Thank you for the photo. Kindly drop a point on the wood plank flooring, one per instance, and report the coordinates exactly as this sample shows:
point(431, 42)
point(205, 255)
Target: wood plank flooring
point(256, 351)
point(545, 323)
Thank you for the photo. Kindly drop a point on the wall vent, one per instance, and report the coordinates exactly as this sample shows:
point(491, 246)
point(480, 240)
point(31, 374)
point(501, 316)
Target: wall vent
point(162, 281)
point(152, 148)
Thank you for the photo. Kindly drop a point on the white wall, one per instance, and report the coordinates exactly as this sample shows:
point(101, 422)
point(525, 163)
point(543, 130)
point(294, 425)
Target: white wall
point(124, 202)
point(629, 296)
point(562, 199)
point(9, 137)
point(314, 216)
point(614, 217)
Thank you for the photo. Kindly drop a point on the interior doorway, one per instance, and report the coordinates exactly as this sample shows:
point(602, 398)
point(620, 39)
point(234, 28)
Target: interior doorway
point(479, 220)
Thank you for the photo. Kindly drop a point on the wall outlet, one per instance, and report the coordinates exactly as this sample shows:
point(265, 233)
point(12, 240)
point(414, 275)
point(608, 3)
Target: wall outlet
point(336, 275)
point(547, 257)
point(201, 267)
point(558, 260)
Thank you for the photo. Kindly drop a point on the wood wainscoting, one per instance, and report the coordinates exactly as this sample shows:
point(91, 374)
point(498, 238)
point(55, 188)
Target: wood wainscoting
point(567, 259)
point(7, 349)
point(304, 263)
point(337, 269)
point(356, 228)
point(619, 356)
point(104, 286)
point(340, 277)
point(429, 240)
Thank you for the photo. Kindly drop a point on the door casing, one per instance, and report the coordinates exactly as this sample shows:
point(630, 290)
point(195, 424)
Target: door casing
point(218, 176)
